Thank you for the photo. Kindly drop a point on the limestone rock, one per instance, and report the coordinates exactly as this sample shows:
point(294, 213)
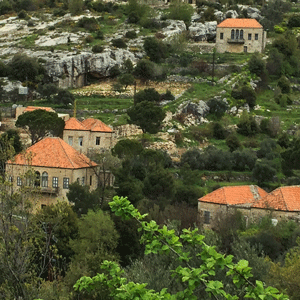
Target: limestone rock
point(199, 109)
point(174, 27)
point(203, 32)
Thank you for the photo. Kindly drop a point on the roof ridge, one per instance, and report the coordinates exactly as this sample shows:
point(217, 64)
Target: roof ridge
point(283, 199)
point(59, 140)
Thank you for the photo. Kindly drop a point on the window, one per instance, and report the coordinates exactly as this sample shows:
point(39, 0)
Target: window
point(82, 181)
point(237, 34)
point(45, 179)
point(70, 140)
point(80, 140)
point(232, 34)
point(10, 179)
point(37, 179)
point(91, 180)
point(249, 36)
point(256, 36)
point(78, 180)
point(19, 181)
point(97, 140)
point(66, 183)
point(221, 36)
point(245, 49)
point(206, 217)
point(241, 34)
point(55, 182)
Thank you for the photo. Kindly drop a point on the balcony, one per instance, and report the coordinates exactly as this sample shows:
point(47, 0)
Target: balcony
point(49, 190)
point(236, 41)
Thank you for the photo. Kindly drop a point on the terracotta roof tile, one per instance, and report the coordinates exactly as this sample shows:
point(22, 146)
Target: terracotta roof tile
point(74, 124)
point(52, 152)
point(234, 195)
point(239, 23)
point(285, 198)
point(96, 125)
point(32, 108)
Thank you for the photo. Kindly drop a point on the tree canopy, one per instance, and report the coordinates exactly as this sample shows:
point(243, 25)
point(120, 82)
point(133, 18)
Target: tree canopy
point(41, 123)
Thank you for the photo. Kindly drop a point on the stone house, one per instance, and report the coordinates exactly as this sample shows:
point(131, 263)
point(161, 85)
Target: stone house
point(55, 165)
point(252, 201)
point(88, 135)
point(240, 35)
point(226, 199)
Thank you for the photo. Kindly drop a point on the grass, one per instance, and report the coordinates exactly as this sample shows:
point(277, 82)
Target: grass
point(221, 58)
point(29, 41)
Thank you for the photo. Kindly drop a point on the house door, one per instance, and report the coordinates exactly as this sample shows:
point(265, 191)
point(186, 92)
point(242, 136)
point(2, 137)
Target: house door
point(245, 49)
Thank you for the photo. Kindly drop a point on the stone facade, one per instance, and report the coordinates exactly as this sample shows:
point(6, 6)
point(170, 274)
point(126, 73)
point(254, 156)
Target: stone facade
point(88, 135)
point(48, 168)
point(240, 35)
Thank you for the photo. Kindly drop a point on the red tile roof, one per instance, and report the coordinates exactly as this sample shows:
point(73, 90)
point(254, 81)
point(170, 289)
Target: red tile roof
point(96, 125)
point(52, 152)
point(239, 23)
point(32, 108)
point(74, 124)
point(285, 198)
point(234, 195)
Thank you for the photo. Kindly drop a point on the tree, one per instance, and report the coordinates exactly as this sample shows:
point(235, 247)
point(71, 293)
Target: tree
point(126, 80)
point(47, 90)
point(181, 11)
point(147, 95)
point(23, 67)
point(147, 115)
point(155, 49)
point(144, 70)
point(127, 148)
point(40, 123)
point(160, 241)
point(64, 97)
point(256, 65)
point(233, 142)
point(263, 171)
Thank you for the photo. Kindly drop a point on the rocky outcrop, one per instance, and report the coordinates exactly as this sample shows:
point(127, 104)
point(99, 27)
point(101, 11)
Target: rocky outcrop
point(203, 32)
point(174, 27)
point(199, 109)
point(71, 70)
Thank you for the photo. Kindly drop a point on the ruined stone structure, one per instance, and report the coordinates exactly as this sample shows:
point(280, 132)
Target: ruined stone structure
point(240, 35)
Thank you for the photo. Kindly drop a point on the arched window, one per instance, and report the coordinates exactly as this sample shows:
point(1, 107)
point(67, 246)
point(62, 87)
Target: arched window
point(232, 34)
point(37, 179)
point(242, 34)
point(45, 179)
point(237, 34)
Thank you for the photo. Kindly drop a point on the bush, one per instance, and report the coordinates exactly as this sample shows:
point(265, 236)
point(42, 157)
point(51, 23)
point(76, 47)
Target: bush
point(75, 6)
point(194, 158)
point(147, 95)
point(249, 95)
point(97, 49)
point(126, 79)
point(5, 7)
point(89, 39)
point(217, 107)
point(114, 71)
point(233, 142)
point(167, 96)
point(218, 131)
point(99, 35)
point(119, 43)
point(244, 160)
point(284, 85)
point(263, 171)
point(131, 34)
point(155, 49)
point(90, 24)
point(64, 98)
point(247, 125)
point(22, 14)
point(59, 12)
point(144, 70)
point(256, 65)
point(294, 21)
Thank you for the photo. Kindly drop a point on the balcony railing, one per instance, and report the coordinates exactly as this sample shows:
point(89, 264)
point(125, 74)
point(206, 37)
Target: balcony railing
point(236, 41)
point(49, 190)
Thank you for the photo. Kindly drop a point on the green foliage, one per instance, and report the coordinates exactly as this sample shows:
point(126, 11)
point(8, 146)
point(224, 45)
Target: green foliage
point(136, 12)
point(247, 125)
point(180, 11)
point(217, 107)
point(263, 171)
point(156, 49)
point(233, 142)
point(82, 199)
point(64, 97)
point(149, 94)
point(90, 24)
point(41, 123)
point(160, 241)
point(284, 85)
point(97, 49)
point(249, 95)
point(76, 6)
point(126, 80)
point(119, 43)
point(218, 131)
point(127, 148)
point(244, 160)
point(209, 15)
point(47, 90)
point(294, 21)
point(23, 67)
point(144, 70)
point(147, 115)
point(131, 34)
